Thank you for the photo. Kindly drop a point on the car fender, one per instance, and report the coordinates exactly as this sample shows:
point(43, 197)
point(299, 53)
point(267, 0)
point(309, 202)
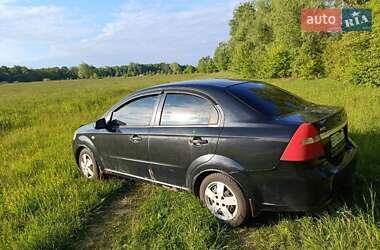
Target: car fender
point(221, 164)
point(85, 141)
point(195, 166)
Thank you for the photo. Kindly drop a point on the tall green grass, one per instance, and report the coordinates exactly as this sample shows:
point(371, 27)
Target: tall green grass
point(44, 202)
point(169, 220)
point(43, 199)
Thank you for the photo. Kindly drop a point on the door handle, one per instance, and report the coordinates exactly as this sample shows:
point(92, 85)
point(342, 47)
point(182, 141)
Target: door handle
point(135, 139)
point(198, 141)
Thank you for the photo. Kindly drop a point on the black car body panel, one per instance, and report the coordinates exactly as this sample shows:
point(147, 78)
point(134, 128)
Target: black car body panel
point(170, 162)
point(241, 141)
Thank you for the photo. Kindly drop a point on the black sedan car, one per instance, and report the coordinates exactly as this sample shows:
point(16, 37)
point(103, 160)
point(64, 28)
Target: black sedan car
point(241, 147)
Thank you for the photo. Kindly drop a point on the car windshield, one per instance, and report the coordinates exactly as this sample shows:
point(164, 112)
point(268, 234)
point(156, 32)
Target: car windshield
point(268, 99)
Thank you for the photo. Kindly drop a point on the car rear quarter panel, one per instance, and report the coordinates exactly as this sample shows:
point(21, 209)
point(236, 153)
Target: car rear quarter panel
point(255, 147)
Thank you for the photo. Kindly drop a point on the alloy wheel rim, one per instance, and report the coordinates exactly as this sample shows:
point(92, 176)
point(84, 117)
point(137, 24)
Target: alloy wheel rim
point(87, 166)
point(221, 201)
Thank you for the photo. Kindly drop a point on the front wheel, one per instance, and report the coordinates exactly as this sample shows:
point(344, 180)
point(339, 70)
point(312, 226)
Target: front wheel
point(225, 200)
point(88, 165)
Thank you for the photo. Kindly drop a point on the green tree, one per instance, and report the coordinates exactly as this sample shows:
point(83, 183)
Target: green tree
point(211, 67)
point(190, 69)
point(132, 70)
point(242, 15)
point(266, 41)
point(354, 57)
point(245, 60)
point(24, 74)
point(202, 65)
point(222, 56)
point(85, 71)
point(278, 63)
point(240, 44)
point(364, 67)
point(206, 65)
point(175, 68)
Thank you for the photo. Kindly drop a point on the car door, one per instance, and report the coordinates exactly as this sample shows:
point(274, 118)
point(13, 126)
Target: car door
point(124, 145)
point(186, 129)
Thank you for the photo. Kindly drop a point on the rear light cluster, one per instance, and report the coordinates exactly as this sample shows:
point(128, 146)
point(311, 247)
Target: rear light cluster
point(305, 144)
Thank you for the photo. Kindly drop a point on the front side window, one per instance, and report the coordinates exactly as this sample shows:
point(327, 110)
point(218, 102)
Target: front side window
point(136, 113)
point(184, 109)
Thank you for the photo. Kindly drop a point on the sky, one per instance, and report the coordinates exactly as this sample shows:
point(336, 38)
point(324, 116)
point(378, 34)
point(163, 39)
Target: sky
point(42, 33)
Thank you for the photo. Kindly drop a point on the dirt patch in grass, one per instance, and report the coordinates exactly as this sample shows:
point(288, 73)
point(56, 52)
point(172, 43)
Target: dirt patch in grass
point(97, 234)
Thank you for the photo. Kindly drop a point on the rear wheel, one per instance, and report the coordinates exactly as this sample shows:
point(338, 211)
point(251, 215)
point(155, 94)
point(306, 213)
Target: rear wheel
point(225, 200)
point(87, 164)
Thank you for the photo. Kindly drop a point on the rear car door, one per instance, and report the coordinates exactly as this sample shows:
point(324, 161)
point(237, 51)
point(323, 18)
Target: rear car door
point(124, 145)
point(186, 130)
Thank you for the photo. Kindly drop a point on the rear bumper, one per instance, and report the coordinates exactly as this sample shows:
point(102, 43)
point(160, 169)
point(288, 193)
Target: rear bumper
point(302, 186)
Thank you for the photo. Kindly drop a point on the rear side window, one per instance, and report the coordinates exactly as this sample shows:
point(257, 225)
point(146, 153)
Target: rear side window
point(136, 113)
point(184, 109)
point(268, 99)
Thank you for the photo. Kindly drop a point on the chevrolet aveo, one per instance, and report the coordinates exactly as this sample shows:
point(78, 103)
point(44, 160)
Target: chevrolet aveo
point(241, 147)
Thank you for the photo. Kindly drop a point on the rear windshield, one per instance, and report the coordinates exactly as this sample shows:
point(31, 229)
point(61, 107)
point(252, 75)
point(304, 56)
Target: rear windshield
point(268, 99)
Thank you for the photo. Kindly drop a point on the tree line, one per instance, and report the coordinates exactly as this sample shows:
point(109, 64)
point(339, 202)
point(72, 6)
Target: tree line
point(85, 71)
point(266, 41)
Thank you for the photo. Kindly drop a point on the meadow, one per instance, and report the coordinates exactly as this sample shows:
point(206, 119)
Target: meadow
point(46, 204)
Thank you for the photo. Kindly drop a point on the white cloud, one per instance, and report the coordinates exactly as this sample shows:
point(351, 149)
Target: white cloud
point(141, 32)
point(32, 23)
point(153, 35)
point(29, 31)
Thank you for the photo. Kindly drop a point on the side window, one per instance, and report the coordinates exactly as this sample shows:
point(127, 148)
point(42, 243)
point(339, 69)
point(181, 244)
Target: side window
point(183, 109)
point(136, 113)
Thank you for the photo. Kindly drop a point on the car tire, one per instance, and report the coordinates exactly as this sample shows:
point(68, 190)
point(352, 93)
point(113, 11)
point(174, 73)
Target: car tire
point(224, 199)
point(87, 164)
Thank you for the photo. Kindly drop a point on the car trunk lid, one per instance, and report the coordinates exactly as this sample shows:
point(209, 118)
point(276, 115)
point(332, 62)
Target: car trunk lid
point(330, 121)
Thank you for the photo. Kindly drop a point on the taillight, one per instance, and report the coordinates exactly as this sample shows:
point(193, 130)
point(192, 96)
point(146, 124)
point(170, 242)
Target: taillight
point(305, 144)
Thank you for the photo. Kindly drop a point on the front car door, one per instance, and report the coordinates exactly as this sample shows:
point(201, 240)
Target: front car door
point(124, 145)
point(186, 130)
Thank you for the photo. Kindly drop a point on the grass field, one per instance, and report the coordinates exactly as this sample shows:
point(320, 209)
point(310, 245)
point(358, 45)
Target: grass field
point(45, 204)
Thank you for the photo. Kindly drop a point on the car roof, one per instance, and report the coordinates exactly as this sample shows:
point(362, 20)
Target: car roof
point(197, 84)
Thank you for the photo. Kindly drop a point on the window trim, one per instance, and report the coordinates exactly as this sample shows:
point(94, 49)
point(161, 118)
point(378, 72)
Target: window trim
point(135, 98)
point(160, 109)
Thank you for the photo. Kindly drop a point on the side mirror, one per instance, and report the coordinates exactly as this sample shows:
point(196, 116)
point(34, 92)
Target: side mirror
point(100, 124)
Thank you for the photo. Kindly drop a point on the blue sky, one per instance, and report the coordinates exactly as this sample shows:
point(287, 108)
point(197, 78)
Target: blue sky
point(42, 33)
